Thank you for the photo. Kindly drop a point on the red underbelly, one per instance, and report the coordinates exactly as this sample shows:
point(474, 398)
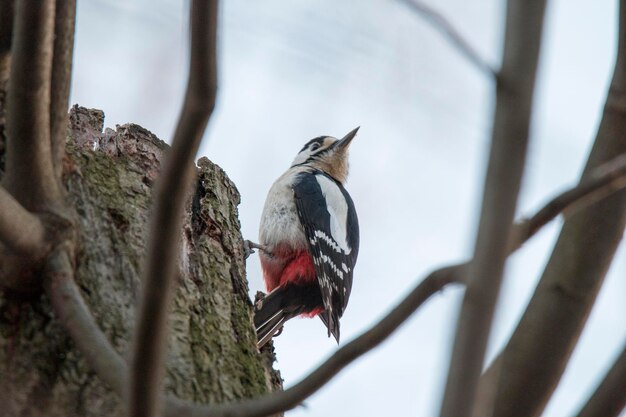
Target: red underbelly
point(300, 270)
point(282, 268)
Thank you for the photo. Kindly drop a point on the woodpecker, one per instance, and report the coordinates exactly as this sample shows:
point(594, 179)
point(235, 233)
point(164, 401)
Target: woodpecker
point(308, 240)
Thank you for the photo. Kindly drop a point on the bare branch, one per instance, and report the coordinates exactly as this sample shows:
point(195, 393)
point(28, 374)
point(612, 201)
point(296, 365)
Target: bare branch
point(608, 179)
point(535, 358)
point(292, 397)
point(64, 22)
point(514, 95)
point(171, 193)
point(21, 231)
point(29, 174)
point(441, 24)
point(603, 181)
point(609, 399)
point(75, 316)
point(70, 309)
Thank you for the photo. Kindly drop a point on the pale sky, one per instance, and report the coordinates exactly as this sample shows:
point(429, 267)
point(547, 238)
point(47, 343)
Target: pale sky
point(291, 71)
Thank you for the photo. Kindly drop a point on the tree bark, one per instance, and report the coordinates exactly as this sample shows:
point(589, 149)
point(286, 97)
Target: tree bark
point(212, 353)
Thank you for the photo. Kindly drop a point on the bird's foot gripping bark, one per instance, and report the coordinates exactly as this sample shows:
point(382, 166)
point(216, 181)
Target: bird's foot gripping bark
point(258, 300)
point(249, 247)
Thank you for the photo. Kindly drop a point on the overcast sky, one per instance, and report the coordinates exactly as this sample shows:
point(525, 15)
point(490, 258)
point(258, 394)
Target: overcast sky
point(291, 71)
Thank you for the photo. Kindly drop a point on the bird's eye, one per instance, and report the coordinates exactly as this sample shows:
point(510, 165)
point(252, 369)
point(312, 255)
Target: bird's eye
point(315, 146)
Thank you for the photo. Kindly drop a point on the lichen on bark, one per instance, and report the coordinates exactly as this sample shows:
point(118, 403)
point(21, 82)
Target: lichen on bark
point(212, 356)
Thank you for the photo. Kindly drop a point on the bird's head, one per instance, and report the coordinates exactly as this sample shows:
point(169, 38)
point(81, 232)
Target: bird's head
point(327, 154)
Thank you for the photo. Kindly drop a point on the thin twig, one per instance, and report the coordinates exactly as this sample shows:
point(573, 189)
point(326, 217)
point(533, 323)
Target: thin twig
point(20, 231)
point(605, 180)
point(440, 23)
point(70, 307)
point(609, 399)
point(171, 194)
point(29, 173)
point(64, 23)
point(514, 93)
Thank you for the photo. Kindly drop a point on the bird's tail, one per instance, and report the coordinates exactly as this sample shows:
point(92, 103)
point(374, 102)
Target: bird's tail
point(283, 303)
point(269, 328)
point(331, 321)
point(270, 313)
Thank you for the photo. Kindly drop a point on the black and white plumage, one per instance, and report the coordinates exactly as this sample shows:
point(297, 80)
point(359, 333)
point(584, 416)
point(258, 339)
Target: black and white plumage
point(309, 240)
point(330, 223)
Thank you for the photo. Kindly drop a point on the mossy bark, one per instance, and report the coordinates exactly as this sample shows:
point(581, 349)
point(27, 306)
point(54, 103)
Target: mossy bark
point(212, 355)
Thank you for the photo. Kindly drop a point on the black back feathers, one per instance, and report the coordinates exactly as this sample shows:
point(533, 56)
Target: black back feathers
point(330, 223)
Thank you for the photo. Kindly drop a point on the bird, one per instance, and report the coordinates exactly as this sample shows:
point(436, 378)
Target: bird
point(308, 240)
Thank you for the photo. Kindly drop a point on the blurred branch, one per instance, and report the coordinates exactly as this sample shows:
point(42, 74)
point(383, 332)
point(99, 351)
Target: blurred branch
point(531, 365)
point(75, 316)
point(71, 310)
point(603, 181)
point(441, 24)
point(292, 397)
point(170, 197)
point(606, 180)
point(64, 23)
point(609, 399)
point(29, 172)
point(514, 94)
point(6, 29)
point(21, 231)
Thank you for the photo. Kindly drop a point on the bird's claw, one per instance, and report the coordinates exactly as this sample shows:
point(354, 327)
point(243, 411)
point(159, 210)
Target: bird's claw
point(248, 248)
point(258, 300)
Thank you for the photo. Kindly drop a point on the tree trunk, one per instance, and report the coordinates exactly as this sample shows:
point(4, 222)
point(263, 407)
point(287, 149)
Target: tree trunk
point(212, 354)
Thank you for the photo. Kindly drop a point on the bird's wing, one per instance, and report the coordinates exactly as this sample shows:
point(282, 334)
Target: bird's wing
point(329, 219)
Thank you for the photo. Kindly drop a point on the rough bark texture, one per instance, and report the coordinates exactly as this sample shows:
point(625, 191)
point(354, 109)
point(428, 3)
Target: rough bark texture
point(212, 355)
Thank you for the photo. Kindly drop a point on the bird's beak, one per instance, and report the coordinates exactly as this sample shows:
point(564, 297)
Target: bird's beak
point(345, 141)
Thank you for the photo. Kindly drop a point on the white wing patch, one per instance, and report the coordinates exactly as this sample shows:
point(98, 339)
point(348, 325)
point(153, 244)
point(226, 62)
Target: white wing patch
point(338, 210)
